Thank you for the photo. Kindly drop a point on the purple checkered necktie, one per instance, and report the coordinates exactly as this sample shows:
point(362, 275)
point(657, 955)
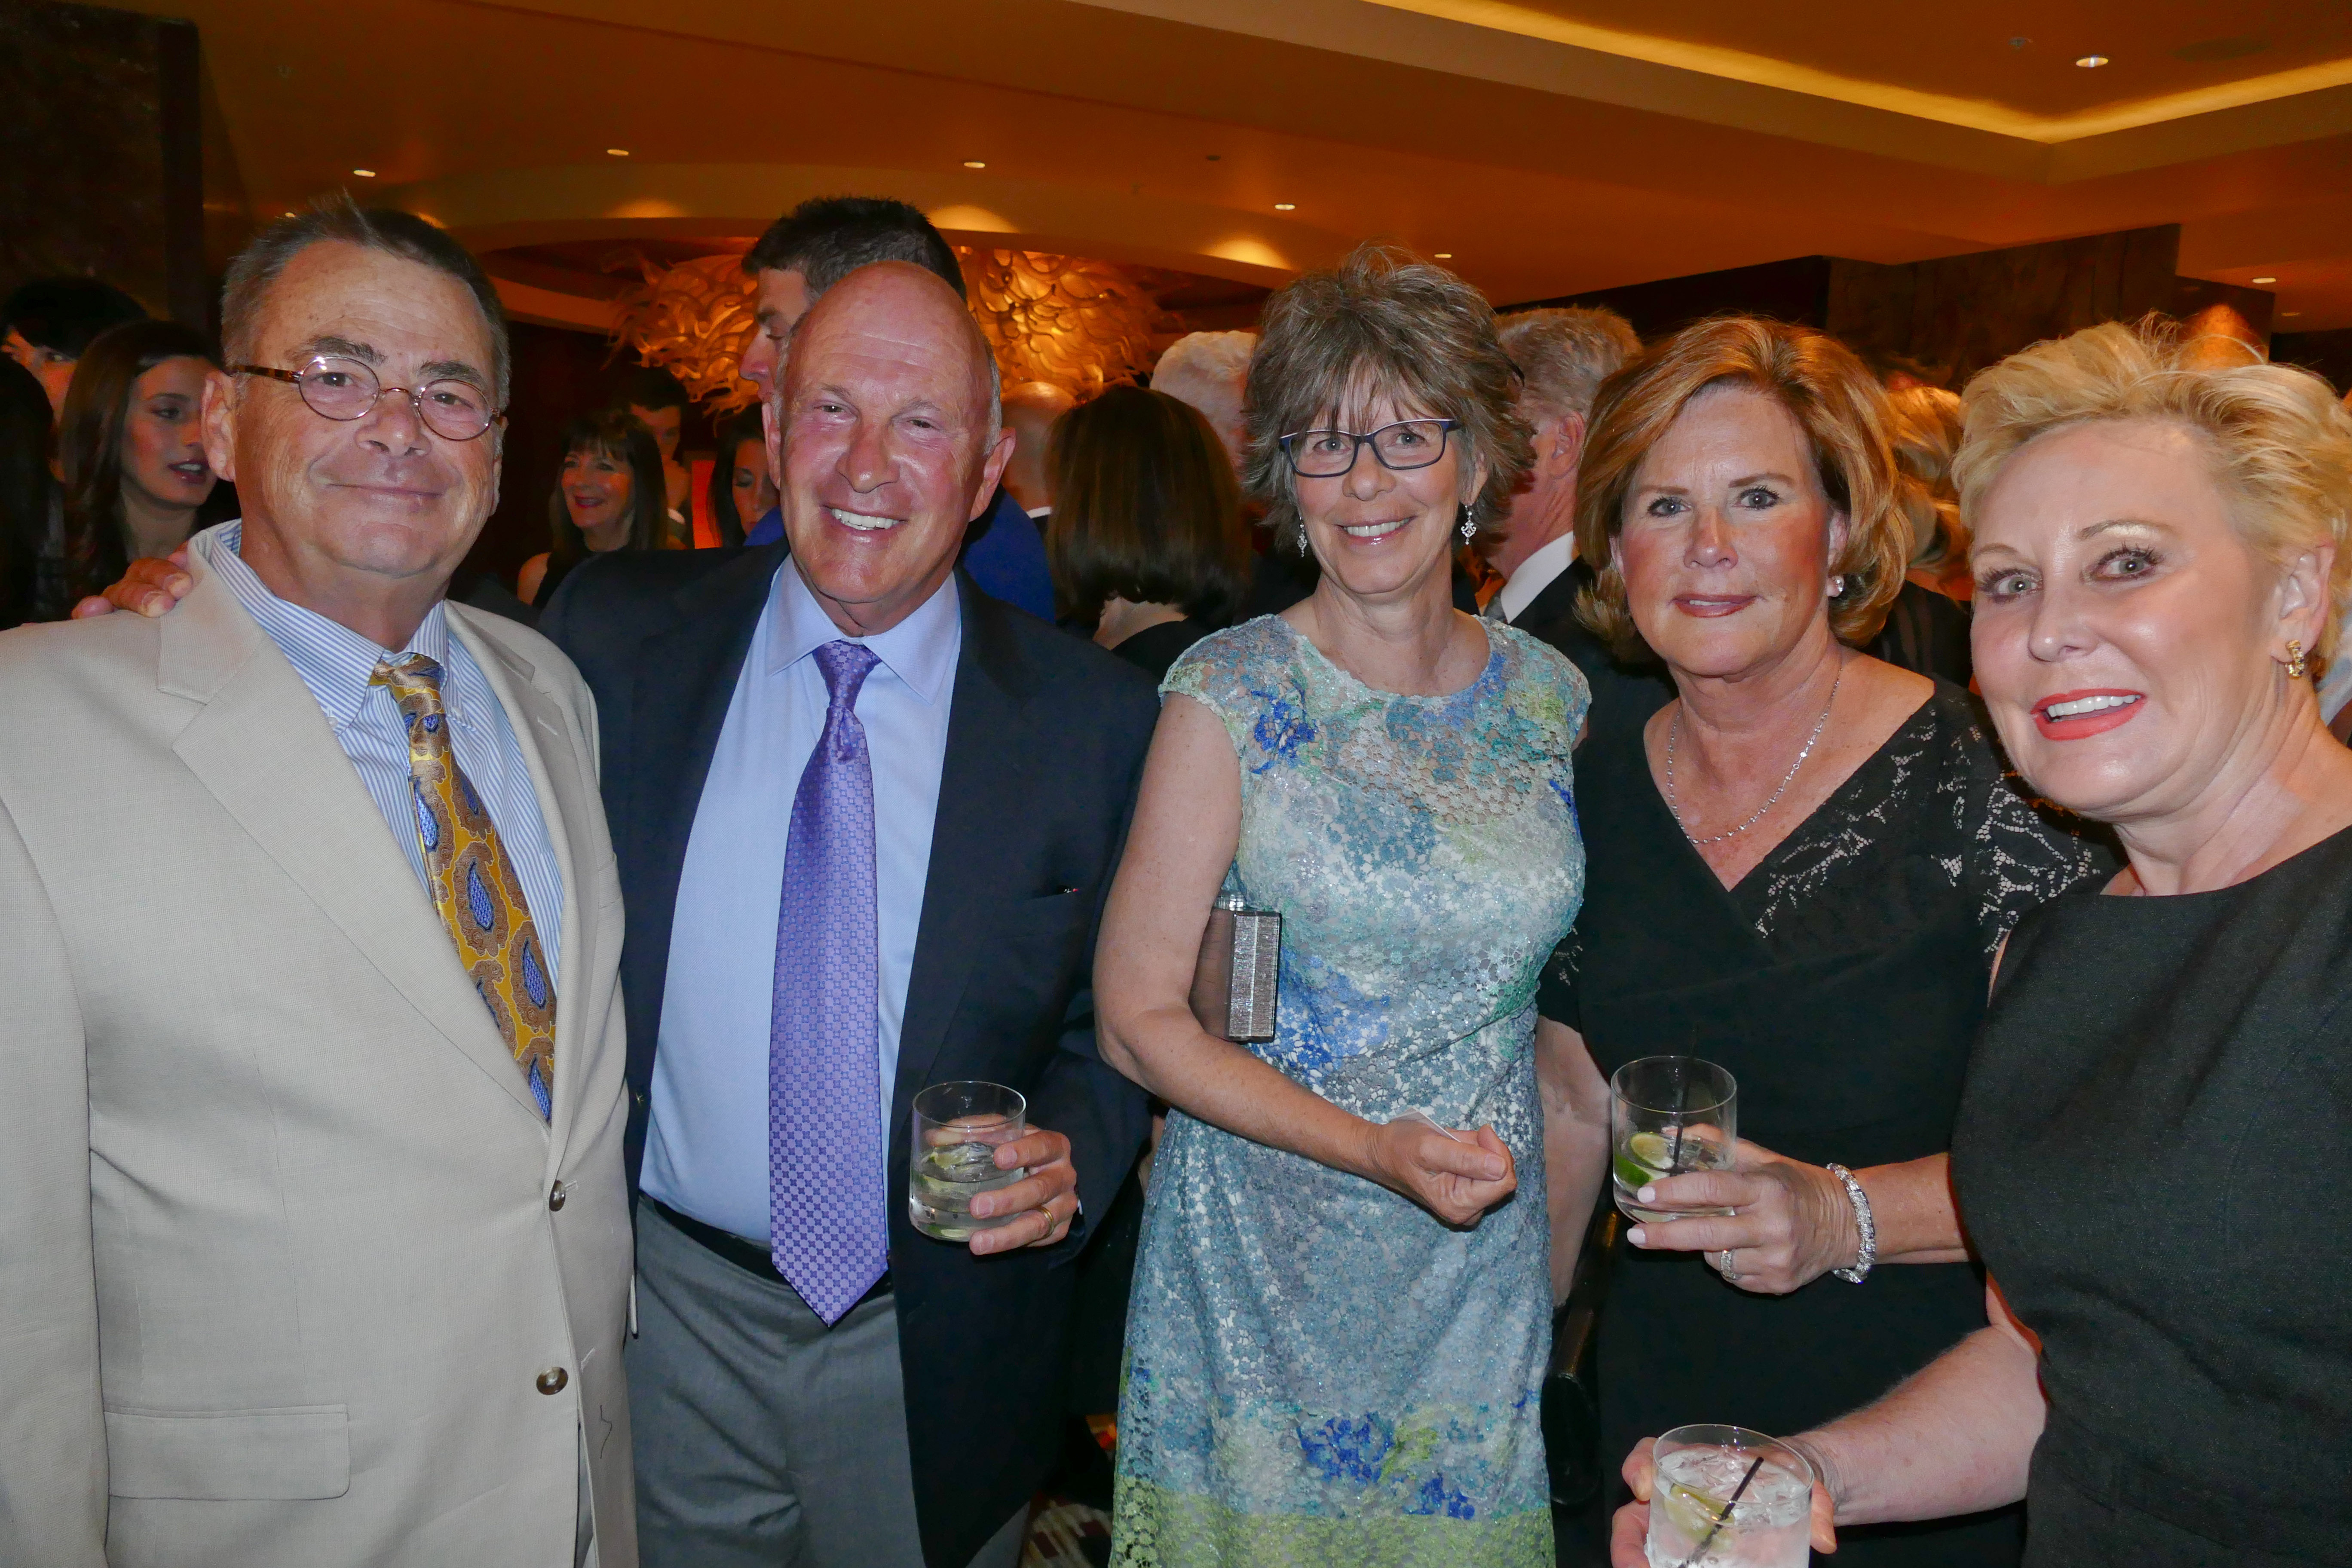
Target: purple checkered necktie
point(828, 1221)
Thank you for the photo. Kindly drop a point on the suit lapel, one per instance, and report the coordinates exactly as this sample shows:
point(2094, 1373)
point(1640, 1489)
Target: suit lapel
point(267, 754)
point(984, 750)
point(687, 673)
point(536, 718)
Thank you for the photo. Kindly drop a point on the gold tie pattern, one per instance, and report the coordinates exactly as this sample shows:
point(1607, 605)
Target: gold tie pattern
point(473, 884)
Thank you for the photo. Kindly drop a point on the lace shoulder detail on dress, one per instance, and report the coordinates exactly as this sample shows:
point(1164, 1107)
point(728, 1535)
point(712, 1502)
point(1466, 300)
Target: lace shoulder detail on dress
point(2014, 852)
point(1230, 672)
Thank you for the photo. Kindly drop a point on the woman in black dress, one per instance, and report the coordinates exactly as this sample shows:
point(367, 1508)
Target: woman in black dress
point(1145, 541)
point(2162, 1094)
point(1800, 869)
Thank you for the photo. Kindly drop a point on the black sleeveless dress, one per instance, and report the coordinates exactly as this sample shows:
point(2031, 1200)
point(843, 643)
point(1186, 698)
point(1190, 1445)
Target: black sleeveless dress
point(2151, 1158)
point(1840, 982)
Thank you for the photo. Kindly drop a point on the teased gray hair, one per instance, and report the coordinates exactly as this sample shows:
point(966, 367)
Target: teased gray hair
point(1567, 353)
point(386, 229)
point(1382, 322)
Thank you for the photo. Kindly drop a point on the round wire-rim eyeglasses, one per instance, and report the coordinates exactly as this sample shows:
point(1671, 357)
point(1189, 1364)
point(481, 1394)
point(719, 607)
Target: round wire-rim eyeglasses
point(1299, 447)
point(458, 410)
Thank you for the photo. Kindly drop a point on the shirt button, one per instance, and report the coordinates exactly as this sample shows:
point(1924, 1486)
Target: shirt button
point(552, 1380)
point(556, 1197)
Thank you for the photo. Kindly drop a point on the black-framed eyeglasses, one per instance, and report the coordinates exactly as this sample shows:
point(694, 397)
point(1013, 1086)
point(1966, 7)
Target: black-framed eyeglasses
point(1406, 445)
point(347, 389)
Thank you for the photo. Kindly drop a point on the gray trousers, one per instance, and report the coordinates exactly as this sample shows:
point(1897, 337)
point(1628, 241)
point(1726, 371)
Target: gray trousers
point(765, 1439)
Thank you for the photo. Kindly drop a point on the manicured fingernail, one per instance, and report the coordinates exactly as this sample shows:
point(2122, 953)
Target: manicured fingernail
point(1638, 1236)
point(1646, 1195)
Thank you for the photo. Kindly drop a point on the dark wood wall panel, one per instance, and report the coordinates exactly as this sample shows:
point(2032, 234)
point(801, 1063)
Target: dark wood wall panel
point(102, 154)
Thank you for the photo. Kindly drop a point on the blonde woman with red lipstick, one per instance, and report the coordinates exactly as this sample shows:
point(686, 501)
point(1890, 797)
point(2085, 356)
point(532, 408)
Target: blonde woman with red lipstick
point(2160, 1103)
point(1801, 869)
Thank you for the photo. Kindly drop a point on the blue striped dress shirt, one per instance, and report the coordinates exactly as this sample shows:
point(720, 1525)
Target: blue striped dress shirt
point(335, 662)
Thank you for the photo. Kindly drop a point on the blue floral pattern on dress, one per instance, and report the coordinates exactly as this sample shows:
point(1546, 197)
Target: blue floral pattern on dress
point(1317, 1370)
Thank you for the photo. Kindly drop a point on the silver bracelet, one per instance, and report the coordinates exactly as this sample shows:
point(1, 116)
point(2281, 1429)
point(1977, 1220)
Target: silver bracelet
point(1867, 1254)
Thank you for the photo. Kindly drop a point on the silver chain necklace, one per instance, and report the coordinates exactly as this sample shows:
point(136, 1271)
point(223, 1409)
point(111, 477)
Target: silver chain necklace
point(1675, 728)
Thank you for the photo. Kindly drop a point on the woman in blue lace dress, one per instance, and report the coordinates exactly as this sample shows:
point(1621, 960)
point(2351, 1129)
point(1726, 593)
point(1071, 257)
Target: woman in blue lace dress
point(1341, 1315)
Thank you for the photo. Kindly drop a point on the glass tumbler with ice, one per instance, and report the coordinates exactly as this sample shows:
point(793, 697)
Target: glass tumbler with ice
point(1728, 1498)
point(958, 1130)
point(1668, 1116)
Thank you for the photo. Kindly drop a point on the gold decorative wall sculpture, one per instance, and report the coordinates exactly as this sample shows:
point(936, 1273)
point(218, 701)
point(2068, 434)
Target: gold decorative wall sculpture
point(694, 319)
point(1083, 325)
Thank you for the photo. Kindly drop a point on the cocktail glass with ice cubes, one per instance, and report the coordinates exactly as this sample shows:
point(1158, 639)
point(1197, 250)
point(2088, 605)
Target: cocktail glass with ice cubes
point(959, 1126)
point(1728, 1498)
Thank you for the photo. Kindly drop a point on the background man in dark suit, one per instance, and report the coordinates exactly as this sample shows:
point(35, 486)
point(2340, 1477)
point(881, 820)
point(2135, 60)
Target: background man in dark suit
point(1563, 357)
point(806, 252)
point(795, 1402)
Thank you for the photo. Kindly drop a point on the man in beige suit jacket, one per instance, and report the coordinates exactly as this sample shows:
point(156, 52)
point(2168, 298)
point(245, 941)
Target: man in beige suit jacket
point(296, 1266)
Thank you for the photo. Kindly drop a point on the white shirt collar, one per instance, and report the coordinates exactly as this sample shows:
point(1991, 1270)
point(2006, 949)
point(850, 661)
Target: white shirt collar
point(1535, 574)
point(334, 661)
point(920, 650)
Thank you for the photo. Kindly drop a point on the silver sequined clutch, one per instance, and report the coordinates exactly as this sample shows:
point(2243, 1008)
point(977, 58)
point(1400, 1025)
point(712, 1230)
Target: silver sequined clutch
point(1233, 985)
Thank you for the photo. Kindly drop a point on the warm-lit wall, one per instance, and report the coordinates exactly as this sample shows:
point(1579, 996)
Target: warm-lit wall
point(104, 170)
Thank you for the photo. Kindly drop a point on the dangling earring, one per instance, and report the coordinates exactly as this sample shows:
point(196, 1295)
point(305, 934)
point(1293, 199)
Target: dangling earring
point(2295, 661)
point(1469, 522)
point(1837, 586)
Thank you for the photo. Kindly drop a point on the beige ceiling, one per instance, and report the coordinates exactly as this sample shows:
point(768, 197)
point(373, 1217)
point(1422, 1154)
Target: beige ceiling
point(1551, 145)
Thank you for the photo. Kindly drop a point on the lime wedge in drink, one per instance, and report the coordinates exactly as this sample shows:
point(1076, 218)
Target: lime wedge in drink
point(1696, 1514)
point(1645, 1157)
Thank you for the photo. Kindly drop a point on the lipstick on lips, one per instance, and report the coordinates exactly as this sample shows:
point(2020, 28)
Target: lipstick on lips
point(2076, 715)
point(1709, 606)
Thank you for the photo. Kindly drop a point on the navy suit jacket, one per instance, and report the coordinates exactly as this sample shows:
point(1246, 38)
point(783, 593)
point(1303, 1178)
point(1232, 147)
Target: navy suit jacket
point(1045, 744)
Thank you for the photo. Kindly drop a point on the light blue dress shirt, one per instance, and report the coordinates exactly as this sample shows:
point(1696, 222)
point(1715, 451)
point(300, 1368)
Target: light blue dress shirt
point(335, 662)
point(706, 1152)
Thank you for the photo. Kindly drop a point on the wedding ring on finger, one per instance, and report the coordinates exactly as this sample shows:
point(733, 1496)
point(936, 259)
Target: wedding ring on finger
point(1729, 1272)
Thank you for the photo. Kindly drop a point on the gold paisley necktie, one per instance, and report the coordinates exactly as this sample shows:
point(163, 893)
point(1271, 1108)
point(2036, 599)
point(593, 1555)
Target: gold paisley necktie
point(473, 883)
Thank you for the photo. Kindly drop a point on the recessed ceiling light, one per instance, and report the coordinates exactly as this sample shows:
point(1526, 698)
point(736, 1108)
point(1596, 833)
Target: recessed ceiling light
point(1442, 255)
point(2092, 62)
point(365, 174)
point(292, 213)
point(616, 152)
point(1285, 207)
point(2265, 279)
point(975, 163)
point(2290, 313)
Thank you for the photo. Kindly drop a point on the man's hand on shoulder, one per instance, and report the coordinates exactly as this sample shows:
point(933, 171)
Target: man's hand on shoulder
point(151, 587)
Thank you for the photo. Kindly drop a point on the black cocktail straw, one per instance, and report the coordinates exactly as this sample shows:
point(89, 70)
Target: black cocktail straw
point(1725, 1517)
point(1682, 1095)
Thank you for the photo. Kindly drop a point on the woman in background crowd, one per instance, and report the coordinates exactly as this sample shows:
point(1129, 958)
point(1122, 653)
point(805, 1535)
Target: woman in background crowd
point(608, 497)
point(1338, 1330)
point(1146, 538)
point(2164, 1079)
point(28, 498)
point(741, 488)
point(129, 453)
point(1801, 869)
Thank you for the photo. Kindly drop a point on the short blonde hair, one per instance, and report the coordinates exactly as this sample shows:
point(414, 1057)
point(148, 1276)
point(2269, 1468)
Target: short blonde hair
point(1835, 401)
point(2282, 445)
point(1925, 425)
point(1386, 321)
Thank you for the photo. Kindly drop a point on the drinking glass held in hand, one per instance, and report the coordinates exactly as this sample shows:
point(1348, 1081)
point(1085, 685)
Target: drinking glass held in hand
point(1723, 1497)
point(959, 1126)
point(1668, 1116)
